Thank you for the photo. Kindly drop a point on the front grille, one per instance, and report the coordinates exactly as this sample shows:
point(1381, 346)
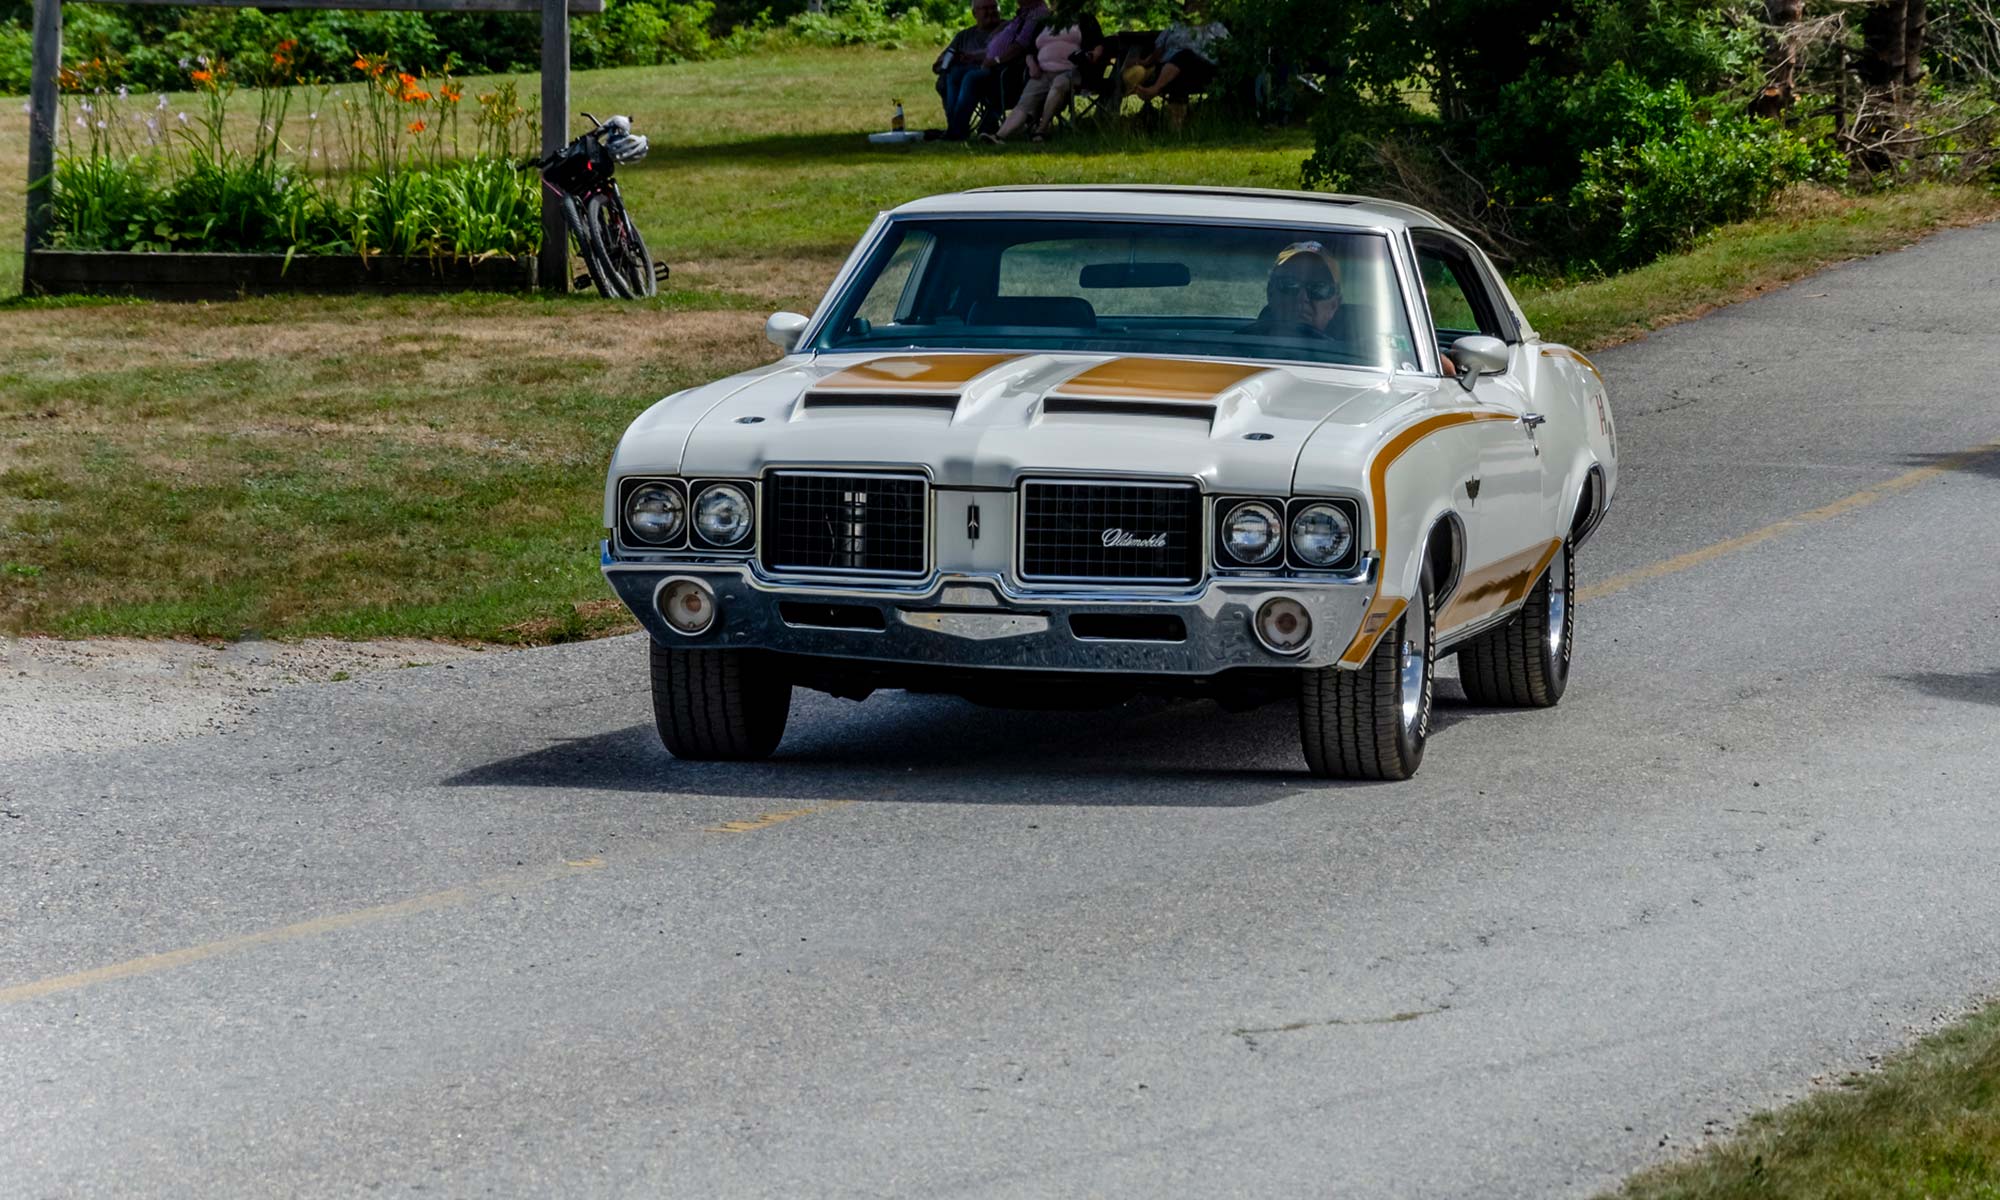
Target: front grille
point(1111, 532)
point(825, 521)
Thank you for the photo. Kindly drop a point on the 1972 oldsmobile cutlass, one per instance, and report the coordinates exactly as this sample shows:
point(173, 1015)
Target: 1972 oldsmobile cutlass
point(1054, 446)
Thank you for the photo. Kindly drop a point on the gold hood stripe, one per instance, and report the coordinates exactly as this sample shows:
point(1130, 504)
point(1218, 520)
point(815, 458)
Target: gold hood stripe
point(1157, 379)
point(915, 372)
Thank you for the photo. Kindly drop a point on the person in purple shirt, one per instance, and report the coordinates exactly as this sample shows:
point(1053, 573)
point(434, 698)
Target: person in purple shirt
point(1017, 37)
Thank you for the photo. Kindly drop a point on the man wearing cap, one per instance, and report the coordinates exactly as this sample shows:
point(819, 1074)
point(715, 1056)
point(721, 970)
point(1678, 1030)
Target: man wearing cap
point(1301, 296)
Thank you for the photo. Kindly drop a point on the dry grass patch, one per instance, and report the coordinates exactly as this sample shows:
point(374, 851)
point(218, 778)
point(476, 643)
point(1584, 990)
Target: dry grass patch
point(347, 467)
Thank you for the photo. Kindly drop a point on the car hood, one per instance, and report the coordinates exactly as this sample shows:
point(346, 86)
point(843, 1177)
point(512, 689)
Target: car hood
point(982, 420)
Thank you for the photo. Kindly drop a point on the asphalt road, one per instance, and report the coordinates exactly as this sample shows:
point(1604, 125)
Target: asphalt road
point(468, 930)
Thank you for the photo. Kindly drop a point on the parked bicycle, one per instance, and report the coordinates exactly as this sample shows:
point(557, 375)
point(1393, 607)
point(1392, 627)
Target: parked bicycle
point(581, 175)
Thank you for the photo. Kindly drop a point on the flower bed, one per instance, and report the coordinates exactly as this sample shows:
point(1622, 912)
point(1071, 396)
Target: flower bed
point(382, 167)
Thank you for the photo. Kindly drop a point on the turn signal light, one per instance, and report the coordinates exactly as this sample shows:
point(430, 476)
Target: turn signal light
point(1283, 625)
point(688, 606)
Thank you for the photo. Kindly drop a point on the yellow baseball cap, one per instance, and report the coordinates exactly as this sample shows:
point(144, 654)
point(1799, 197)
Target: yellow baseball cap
point(1315, 249)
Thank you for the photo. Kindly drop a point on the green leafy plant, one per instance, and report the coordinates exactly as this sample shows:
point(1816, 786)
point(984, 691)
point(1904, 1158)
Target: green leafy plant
point(379, 168)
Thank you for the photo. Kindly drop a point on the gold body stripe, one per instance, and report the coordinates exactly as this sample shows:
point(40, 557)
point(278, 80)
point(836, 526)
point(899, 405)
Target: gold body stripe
point(1378, 490)
point(1158, 379)
point(1382, 613)
point(1573, 356)
point(1495, 586)
point(915, 372)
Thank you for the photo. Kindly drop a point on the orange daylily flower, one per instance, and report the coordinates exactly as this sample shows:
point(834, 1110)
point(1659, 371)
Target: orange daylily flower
point(202, 77)
point(417, 127)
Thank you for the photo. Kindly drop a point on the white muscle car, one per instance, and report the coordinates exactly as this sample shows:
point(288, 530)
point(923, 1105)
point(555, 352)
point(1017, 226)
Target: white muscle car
point(1053, 446)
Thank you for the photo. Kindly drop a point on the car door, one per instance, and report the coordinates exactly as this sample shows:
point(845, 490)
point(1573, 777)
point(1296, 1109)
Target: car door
point(1501, 501)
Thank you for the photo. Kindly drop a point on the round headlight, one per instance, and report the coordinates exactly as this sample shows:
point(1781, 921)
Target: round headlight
point(1322, 534)
point(722, 514)
point(1250, 533)
point(655, 513)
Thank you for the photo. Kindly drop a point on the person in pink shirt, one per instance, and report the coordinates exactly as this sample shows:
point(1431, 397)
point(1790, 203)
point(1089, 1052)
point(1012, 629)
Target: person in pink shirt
point(1052, 78)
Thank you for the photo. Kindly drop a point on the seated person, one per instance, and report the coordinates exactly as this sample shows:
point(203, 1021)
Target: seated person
point(963, 76)
point(1302, 294)
point(1185, 54)
point(1054, 73)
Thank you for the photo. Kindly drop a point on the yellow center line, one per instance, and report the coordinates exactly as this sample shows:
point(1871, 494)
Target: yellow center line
point(769, 819)
point(455, 897)
point(167, 960)
point(1825, 512)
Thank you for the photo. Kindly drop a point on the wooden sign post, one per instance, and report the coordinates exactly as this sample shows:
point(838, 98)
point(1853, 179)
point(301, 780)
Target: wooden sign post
point(43, 106)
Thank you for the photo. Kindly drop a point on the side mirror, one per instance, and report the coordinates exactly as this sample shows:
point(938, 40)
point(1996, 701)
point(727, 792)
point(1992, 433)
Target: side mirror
point(1476, 356)
point(784, 330)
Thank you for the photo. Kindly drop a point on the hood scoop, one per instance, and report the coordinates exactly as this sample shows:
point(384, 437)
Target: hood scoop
point(936, 401)
point(1093, 407)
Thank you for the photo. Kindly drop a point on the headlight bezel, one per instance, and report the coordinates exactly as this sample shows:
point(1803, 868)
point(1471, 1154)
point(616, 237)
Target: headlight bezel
point(1226, 512)
point(1347, 508)
point(699, 490)
point(628, 534)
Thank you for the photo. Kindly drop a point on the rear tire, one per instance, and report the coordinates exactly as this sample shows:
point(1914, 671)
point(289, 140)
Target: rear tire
point(718, 705)
point(1525, 663)
point(1373, 723)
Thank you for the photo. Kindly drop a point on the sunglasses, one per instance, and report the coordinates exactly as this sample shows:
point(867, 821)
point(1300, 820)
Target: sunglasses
point(1316, 290)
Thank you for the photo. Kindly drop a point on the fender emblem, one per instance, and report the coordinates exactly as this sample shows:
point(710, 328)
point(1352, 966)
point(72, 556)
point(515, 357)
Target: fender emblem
point(1472, 490)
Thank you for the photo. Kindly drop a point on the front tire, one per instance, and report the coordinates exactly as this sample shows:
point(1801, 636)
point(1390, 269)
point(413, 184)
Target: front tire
point(1525, 663)
point(718, 705)
point(1373, 723)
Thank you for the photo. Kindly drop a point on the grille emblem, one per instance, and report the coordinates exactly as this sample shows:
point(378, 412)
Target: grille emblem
point(972, 522)
point(1118, 539)
point(847, 529)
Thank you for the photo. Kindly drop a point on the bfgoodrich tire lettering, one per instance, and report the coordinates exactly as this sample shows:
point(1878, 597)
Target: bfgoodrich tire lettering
point(1373, 723)
point(718, 704)
point(1525, 663)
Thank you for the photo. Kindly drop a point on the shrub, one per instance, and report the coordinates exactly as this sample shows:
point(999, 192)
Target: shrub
point(1678, 173)
point(16, 59)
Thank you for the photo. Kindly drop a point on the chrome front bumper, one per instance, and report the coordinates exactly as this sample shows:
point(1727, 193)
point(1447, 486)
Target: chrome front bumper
point(988, 621)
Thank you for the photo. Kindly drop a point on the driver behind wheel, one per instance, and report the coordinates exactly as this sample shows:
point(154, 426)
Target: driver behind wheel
point(1301, 296)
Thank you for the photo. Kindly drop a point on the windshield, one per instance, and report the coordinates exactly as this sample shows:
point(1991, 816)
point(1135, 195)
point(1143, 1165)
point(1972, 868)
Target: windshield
point(1127, 287)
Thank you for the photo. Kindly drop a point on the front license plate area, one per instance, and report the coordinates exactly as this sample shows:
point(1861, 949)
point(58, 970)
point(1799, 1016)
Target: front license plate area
point(977, 626)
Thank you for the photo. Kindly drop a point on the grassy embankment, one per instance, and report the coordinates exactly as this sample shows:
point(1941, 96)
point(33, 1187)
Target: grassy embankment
point(431, 466)
point(1926, 1127)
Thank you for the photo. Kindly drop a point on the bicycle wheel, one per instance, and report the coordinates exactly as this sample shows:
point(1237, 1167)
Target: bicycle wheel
point(623, 249)
point(645, 273)
point(594, 260)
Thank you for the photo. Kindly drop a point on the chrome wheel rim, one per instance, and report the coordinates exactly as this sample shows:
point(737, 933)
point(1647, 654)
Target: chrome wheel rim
point(1561, 617)
point(1415, 672)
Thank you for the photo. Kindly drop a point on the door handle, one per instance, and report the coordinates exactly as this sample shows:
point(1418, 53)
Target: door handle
point(1531, 420)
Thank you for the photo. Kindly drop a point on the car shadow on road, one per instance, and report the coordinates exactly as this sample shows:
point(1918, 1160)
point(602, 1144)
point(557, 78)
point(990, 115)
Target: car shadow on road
point(1977, 687)
point(1984, 462)
point(938, 751)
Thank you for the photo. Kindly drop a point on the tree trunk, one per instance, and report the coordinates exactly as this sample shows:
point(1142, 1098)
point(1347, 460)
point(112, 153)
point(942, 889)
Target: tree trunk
point(1892, 45)
point(1892, 65)
point(1781, 57)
